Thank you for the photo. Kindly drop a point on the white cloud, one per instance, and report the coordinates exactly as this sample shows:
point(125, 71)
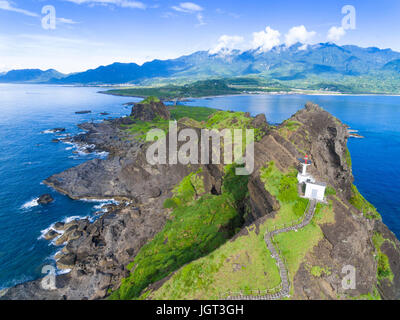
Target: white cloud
point(66, 21)
point(7, 5)
point(121, 3)
point(232, 14)
point(188, 7)
point(226, 44)
point(336, 33)
point(191, 8)
point(299, 34)
point(200, 19)
point(266, 39)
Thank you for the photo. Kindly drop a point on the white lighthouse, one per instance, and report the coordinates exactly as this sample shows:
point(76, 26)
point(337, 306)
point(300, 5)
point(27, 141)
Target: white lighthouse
point(313, 190)
point(303, 176)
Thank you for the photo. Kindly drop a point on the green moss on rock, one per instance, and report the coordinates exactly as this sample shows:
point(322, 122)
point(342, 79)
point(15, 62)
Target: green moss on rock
point(358, 201)
point(383, 270)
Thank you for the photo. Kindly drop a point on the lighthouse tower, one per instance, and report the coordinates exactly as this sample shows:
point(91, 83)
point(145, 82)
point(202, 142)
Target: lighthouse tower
point(303, 176)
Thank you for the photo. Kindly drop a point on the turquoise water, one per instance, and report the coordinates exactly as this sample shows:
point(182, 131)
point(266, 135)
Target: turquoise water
point(28, 157)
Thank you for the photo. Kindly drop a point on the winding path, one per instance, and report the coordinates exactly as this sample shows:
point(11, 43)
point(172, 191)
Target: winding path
point(283, 271)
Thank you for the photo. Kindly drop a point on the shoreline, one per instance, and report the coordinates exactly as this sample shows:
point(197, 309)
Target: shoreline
point(262, 93)
point(305, 93)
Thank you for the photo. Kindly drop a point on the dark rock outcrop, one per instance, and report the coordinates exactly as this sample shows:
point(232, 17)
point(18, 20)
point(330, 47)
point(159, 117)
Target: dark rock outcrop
point(148, 111)
point(83, 112)
point(51, 234)
point(45, 199)
point(57, 130)
point(260, 122)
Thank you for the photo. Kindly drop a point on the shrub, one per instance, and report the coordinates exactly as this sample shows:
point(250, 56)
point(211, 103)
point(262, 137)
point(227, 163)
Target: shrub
point(330, 191)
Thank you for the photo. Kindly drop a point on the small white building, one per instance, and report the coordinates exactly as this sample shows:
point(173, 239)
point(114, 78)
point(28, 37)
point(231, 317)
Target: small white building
point(315, 191)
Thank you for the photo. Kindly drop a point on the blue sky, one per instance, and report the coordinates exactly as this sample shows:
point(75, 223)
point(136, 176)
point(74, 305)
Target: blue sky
point(90, 33)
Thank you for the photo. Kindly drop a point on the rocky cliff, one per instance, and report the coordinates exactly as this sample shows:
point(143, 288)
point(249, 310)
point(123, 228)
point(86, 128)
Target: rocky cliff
point(345, 231)
point(149, 109)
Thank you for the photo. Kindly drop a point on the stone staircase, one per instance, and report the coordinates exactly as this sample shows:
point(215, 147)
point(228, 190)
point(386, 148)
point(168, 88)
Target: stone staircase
point(278, 257)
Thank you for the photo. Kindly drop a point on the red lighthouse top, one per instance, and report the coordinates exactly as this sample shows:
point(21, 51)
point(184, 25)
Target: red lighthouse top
point(306, 160)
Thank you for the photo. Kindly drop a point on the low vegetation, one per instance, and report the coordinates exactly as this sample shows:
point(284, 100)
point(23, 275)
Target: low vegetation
point(318, 271)
point(198, 225)
point(358, 201)
point(241, 265)
point(374, 295)
point(192, 90)
point(348, 158)
point(199, 117)
point(196, 113)
point(245, 265)
point(150, 99)
point(232, 120)
point(140, 128)
point(383, 270)
point(330, 191)
point(292, 125)
point(374, 83)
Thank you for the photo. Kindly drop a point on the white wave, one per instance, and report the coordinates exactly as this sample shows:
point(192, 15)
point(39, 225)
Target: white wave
point(30, 204)
point(84, 150)
point(111, 201)
point(53, 257)
point(102, 154)
point(64, 271)
point(100, 207)
point(61, 232)
point(70, 219)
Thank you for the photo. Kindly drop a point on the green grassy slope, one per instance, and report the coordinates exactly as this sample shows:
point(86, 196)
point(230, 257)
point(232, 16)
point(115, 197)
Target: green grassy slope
point(245, 265)
point(197, 226)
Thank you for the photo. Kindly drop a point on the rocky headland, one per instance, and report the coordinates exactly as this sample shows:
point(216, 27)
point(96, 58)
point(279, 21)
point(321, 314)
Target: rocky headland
point(100, 253)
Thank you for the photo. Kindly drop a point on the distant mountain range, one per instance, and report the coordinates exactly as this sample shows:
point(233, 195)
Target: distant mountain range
point(30, 76)
point(324, 62)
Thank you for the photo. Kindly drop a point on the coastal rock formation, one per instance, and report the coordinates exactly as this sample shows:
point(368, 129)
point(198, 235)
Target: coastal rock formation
point(45, 199)
point(83, 112)
point(97, 253)
point(260, 122)
point(50, 235)
point(57, 130)
point(150, 109)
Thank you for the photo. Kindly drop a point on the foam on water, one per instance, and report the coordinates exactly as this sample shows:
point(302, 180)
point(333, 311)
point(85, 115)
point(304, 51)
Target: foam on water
point(30, 204)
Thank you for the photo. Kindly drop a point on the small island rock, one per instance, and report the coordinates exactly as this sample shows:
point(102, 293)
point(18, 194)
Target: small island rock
point(45, 199)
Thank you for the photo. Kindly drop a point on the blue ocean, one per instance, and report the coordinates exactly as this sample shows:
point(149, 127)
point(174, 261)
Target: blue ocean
point(28, 156)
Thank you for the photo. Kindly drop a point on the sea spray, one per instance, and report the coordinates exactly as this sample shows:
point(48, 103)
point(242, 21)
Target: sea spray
point(30, 204)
